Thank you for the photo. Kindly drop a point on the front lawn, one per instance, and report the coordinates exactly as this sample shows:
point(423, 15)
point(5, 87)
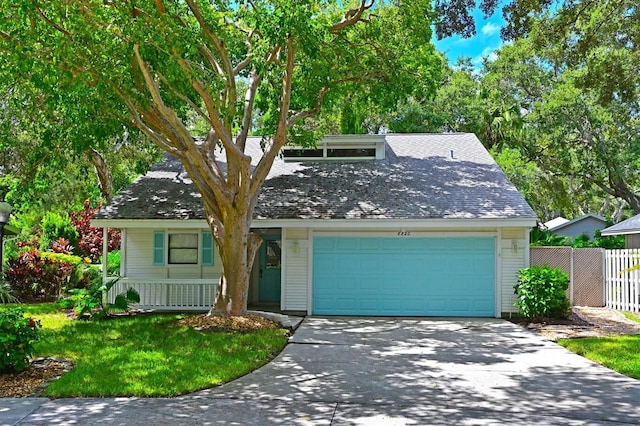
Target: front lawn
point(621, 353)
point(147, 355)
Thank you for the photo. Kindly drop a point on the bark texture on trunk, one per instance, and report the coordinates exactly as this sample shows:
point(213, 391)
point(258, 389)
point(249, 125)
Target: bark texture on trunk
point(238, 250)
point(102, 173)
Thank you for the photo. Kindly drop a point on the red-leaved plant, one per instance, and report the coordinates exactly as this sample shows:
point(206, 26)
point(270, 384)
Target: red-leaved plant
point(36, 278)
point(90, 243)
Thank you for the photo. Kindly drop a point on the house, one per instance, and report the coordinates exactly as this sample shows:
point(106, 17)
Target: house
point(414, 225)
point(630, 228)
point(586, 224)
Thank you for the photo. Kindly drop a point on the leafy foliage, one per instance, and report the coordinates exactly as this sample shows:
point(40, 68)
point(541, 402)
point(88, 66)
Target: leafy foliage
point(17, 336)
point(37, 276)
point(113, 263)
point(540, 237)
point(156, 65)
point(6, 292)
point(542, 292)
point(56, 226)
point(92, 301)
point(90, 242)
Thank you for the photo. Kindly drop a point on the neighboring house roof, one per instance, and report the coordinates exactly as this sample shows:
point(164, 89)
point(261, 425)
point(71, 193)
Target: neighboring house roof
point(559, 225)
point(554, 222)
point(629, 226)
point(423, 176)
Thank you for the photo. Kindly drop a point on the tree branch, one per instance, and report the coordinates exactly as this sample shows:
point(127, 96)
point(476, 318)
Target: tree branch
point(223, 133)
point(159, 7)
point(249, 102)
point(280, 137)
point(351, 17)
point(186, 100)
point(51, 23)
point(224, 57)
point(311, 112)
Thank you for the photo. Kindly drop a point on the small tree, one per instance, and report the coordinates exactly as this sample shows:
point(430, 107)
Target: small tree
point(542, 292)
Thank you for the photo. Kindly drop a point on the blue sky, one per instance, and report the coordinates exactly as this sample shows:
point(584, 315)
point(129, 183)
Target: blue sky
point(483, 44)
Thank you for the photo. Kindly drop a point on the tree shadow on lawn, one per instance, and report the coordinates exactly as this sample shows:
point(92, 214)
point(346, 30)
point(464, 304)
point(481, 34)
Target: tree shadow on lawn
point(406, 370)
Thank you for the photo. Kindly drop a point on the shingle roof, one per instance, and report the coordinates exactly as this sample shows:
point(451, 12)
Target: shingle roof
point(560, 222)
point(629, 226)
point(423, 176)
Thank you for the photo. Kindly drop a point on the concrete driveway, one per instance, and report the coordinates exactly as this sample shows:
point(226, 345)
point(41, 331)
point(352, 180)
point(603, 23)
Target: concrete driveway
point(384, 371)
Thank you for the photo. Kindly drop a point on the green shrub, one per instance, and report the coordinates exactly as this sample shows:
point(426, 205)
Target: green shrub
point(6, 292)
point(55, 226)
point(113, 263)
point(37, 276)
point(82, 274)
point(90, 302)
point(542, 292)
point(17, 336)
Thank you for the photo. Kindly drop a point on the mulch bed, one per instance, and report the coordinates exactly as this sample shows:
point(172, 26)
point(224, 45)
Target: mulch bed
point(584, 322)
point(33, 380)
point(251, 322)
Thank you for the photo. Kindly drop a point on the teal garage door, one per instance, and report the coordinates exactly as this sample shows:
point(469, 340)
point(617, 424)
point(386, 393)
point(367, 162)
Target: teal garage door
point(443, 276)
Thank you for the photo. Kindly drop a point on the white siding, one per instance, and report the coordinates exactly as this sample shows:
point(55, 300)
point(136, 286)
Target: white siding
point(632, 241)
point(296, 270)
point(139, 260)
point(587, 226)
point(296, 233)
point(513, 259)
point(513, 233)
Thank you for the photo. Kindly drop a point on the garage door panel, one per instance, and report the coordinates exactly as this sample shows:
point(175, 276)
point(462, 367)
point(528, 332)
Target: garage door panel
point(441, 276)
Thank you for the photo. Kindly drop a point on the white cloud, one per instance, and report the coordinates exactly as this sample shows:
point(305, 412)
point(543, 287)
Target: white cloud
point(490, 29)
point(489, 53)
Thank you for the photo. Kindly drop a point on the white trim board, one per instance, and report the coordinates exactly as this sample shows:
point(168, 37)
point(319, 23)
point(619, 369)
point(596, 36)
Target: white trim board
point(324, 223)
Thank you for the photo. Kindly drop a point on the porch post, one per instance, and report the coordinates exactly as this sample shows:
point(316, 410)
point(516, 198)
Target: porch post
point(105, 254)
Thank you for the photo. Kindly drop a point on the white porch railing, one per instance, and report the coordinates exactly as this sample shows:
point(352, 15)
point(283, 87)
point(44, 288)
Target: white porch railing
point(622, 286)
point(169, 294)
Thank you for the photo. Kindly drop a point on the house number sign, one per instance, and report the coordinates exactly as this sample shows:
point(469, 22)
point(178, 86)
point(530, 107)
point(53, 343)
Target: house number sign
point(404, 233)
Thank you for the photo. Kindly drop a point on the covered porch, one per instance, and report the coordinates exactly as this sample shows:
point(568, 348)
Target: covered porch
point(166, 286)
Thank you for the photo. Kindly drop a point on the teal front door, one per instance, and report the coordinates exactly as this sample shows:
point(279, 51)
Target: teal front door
point(270, 272)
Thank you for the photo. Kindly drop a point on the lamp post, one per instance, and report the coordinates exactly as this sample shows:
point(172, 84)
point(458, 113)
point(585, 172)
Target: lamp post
point(5, 212)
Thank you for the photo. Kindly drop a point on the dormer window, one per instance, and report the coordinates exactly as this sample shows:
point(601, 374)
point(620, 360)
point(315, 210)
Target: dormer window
point(342, 147)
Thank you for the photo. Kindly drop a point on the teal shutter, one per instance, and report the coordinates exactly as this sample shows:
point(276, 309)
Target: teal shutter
point(158, 248)
point(207, 249)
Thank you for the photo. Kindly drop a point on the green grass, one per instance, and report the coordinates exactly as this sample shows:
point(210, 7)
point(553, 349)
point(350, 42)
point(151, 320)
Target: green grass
point(146, 355)
point(621, 354)
point(631, 316)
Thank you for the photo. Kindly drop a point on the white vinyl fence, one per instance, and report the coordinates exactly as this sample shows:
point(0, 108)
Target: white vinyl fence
point(170, 294)
point(622, 282)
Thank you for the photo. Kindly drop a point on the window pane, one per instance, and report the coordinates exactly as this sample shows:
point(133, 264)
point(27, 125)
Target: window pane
point(183, 241)
point(274, 253)
point(183, 249)
point(183, 256)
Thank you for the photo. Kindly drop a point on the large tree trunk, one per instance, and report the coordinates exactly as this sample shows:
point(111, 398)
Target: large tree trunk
point(238, 247)
point(102, 173)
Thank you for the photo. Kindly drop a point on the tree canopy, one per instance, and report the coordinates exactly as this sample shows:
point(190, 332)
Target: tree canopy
point(157, 64)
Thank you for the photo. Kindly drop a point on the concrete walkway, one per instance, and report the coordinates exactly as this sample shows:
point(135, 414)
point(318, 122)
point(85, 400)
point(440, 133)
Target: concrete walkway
point(383, 371)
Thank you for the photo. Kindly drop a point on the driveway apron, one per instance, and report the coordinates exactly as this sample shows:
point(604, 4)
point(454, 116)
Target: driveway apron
point(387, 371)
